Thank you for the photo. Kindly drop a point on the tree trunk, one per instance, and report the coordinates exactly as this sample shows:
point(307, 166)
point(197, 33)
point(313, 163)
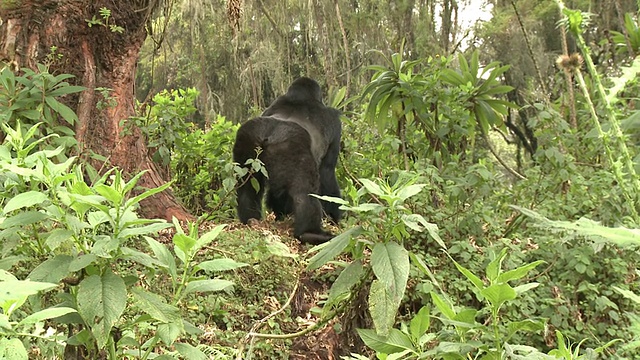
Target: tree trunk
point(99, 58)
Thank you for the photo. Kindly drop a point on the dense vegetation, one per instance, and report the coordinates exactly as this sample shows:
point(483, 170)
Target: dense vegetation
point(492, 197)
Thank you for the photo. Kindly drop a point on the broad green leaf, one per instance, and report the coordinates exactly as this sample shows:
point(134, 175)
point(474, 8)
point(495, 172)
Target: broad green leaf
point(628, 294)
point(23, 200)
point(494, 267)
point(184, 245)
point(390, 264)
point(67, 89)
point(525, 287)
point(383, 306)
point(169, 332)
point(146, 194)
point(13, 290)
point(420, 323)
point(396, 342)
point(498, 294)
point(101, 301)
point(529, 325)
point(518, 273)
point(82, 262)
point(329, 250)
point(223, 264)
point(210, 285)
point(155, 306)
point(52, 270)
point(12, 349)
point(45, 314)
point(446, 309)
point(61, 109)
point(22, 219)
point(58, 237)
point(144, 230)
point(372, 187)
point(190, 352)
point(410, 191)
point(208, 237)
point(141, 258)
point(109, 193)
point(471, 276)
point(348, 277)
point(164, 256)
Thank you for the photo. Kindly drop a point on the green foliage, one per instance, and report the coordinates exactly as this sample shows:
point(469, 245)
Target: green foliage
point(77, 233)
point(479, 89)
point(165, 124)
point(385, 224)
point(103, 20)
point(32, 97)
point(470, 339)
point(633, 31)
point(203, 169)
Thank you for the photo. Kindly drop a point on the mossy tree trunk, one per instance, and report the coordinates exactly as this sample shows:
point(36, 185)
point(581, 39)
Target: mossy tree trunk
point(99, 57)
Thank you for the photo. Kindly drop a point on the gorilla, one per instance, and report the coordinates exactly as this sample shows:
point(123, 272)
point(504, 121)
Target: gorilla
point(299, 138)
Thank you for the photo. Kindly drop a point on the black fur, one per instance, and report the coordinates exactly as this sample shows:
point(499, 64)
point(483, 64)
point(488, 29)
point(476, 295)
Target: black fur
point(300, 141)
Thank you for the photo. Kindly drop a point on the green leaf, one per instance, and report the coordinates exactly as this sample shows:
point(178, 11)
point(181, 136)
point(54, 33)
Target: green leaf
point(223, 264)
point(372, 187)
point(446, 309)
point(383, 306)
point(67, 89)
point(155, 306)
point(498, 294)
point(61, 109)
point(396, 342)
point(101, 301)
point(144, 230)
point(23, 200)
point(472, 277)
point(494, 267)
point(52, 270)
point(190, 351)
point(209, 285)
point(525, 287)
point(208, 237)
point(109, 193)
point(420, 323)
point(164, 256)
point(146, 194)
point(45, 314)
point(518, 273)
point(16, 291)
point(332, 248)
point(12, 349)
point(410, 191)
point(390, 264)
point(348, 277)
point(169, 332)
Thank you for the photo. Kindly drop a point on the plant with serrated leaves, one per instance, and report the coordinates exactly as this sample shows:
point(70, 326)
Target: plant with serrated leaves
point(84, 231)
point(33, 97)
point(187, 277)
point(469, 339)
point(376, 247)
point(480, 86)
point(13, 295)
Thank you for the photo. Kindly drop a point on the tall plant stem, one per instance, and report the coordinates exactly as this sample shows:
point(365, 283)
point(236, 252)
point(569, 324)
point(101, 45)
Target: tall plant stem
point(615, 133)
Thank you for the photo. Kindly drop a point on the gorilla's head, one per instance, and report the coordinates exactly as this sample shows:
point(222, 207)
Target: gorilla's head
point(304, 89)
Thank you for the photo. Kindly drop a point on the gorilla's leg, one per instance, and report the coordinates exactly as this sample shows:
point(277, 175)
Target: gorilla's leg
point(280, 202)
point(250, 201)
point(307, 223)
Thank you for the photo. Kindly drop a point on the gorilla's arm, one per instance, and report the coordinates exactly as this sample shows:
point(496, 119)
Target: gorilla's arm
point(328, 182)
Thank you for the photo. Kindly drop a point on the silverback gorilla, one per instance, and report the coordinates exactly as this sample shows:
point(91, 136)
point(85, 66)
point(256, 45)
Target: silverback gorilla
point(300, 141)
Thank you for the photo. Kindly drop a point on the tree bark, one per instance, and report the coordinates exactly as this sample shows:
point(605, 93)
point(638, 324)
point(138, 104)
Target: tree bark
point(99, 58)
